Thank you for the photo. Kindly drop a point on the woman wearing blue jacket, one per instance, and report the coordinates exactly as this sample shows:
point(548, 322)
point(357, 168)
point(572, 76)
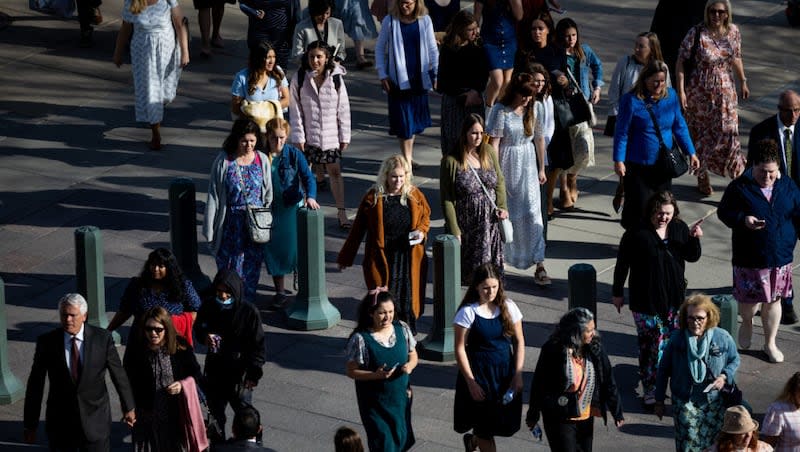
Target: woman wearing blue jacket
point(697, 362)
point(762, 208)
point(293, 186)
point(636, 141)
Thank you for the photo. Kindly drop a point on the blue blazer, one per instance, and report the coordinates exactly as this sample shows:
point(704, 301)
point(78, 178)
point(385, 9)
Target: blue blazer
point(772, 246)
point(635, 138)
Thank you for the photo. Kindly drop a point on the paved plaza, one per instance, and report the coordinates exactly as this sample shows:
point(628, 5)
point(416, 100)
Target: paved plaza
point(72, 155)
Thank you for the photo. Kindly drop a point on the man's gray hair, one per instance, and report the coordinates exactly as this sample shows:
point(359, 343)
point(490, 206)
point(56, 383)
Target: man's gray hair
point(73, 299)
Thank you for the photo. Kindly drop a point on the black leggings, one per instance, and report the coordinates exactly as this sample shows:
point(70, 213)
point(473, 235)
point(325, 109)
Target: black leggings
point(569, 436)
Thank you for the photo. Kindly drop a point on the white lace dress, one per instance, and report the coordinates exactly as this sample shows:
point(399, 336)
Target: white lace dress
point(155, 59)
point(519, 165)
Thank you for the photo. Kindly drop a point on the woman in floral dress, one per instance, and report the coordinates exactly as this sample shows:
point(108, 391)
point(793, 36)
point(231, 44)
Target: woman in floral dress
point(708, 94)
point(240, 176)
point(513, 130)
point(468, 212)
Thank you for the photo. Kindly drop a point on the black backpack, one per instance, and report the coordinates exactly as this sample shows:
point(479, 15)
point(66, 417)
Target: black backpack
point(301, 77)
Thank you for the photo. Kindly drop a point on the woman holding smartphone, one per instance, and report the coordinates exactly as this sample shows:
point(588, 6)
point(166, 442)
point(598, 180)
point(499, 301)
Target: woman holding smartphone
point(761, 208)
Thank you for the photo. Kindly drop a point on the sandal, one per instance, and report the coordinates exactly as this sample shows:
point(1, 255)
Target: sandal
point(344, 223)
point(540, 277)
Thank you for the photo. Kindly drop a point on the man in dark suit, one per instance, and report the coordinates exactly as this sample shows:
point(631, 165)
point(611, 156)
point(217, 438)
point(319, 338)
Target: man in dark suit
point(781, 127)
point(75, 359)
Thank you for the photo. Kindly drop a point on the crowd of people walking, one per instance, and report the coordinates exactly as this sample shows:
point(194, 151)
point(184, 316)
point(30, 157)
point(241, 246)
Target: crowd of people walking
point(518, 94)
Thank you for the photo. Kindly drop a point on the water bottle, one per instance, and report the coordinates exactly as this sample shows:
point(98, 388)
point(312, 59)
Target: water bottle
point(508, 396)
point(536, 431)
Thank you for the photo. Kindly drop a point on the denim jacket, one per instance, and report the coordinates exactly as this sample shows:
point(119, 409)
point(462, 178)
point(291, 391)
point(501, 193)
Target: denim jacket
point(293, 168)
point(674, 365)
point(590, 65)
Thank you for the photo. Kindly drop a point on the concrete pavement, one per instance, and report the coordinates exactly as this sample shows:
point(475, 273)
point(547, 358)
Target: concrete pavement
point(72, 155)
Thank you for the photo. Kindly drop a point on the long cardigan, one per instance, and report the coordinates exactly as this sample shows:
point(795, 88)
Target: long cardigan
point(447, 186)
point(320, 115)
point(217, 201)
point(657, 269)
point(369, 222)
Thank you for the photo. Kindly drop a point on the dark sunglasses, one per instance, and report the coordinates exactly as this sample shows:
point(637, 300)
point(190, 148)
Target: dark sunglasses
point(157, 329)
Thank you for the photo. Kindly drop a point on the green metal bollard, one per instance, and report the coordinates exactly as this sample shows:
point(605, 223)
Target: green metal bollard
point(440, 344)
point(11, 389)
point(311, 309)
point(582, 288)
point(183, 230)
point(728, 314)
point(89, 274)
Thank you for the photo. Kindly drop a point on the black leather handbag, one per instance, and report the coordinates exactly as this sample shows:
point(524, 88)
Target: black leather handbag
point(671, 162)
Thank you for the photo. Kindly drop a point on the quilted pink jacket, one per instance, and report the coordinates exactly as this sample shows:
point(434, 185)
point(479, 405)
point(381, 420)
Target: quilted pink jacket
point(319, 116)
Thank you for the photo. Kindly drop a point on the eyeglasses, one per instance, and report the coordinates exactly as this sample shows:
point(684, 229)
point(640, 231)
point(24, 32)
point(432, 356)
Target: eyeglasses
point(538, 81)
point(721, 12)
point(788, 110)
point(156, 329)
point(698, 319)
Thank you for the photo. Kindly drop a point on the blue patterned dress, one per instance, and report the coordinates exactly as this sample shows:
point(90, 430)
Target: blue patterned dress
point(236, 251)
point(519, 165)
point(155, 59)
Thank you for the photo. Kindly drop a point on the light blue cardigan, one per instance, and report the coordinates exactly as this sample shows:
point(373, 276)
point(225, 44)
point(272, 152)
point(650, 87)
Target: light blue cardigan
point(389, 49)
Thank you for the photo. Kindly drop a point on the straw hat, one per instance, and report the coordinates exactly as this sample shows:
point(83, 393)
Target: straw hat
point(737, 420)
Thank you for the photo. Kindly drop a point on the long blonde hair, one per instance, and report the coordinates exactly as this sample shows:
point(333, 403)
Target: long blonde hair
point(389, 165)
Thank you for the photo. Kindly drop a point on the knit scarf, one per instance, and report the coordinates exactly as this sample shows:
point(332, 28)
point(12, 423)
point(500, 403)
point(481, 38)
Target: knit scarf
point(697, 349)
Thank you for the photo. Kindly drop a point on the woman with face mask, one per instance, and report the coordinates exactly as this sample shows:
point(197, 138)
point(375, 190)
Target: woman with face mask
point(231, 329)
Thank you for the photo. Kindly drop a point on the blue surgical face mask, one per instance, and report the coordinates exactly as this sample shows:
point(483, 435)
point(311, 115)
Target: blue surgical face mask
point(225, 303)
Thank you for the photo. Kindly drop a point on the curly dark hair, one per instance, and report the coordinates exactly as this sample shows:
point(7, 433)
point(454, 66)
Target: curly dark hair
point(174, 281)
point(369, 303)
point(659, 199)
point(570, 329)
point(242, 127)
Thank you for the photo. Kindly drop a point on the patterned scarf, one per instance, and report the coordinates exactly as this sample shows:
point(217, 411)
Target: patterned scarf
point(587, 391)
point(697, 350)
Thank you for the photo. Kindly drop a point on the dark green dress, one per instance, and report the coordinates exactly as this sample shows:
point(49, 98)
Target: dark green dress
point(384, 405)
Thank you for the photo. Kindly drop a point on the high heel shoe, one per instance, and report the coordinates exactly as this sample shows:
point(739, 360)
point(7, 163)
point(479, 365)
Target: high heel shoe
point(344, 222)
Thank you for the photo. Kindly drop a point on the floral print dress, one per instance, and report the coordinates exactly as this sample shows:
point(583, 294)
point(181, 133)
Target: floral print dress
point(712, 100)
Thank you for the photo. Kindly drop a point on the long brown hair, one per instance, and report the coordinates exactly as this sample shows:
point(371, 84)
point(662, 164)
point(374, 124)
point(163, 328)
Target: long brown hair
point(160, 315)
point(257, 66)
point(481, 274)
point(521, 84)
point(463, 148)
point(454, 36)
point(561, 29)
point(791, 390)
point(655, 45)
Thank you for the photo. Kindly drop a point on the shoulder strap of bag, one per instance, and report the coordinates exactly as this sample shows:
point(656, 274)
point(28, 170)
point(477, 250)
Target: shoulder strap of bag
point(485, 191)
point(649, 108)
point(625, 73)
point(575, 82)
point(695, 44)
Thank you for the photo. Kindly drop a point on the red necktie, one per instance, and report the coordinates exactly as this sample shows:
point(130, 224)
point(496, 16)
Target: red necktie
point(75, 360)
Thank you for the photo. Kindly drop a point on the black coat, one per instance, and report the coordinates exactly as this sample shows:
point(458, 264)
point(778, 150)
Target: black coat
point(768, 129)
point(137, 365)
point(656, 269)
point(85, 405)
point(550, 379)
point(242, 350)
